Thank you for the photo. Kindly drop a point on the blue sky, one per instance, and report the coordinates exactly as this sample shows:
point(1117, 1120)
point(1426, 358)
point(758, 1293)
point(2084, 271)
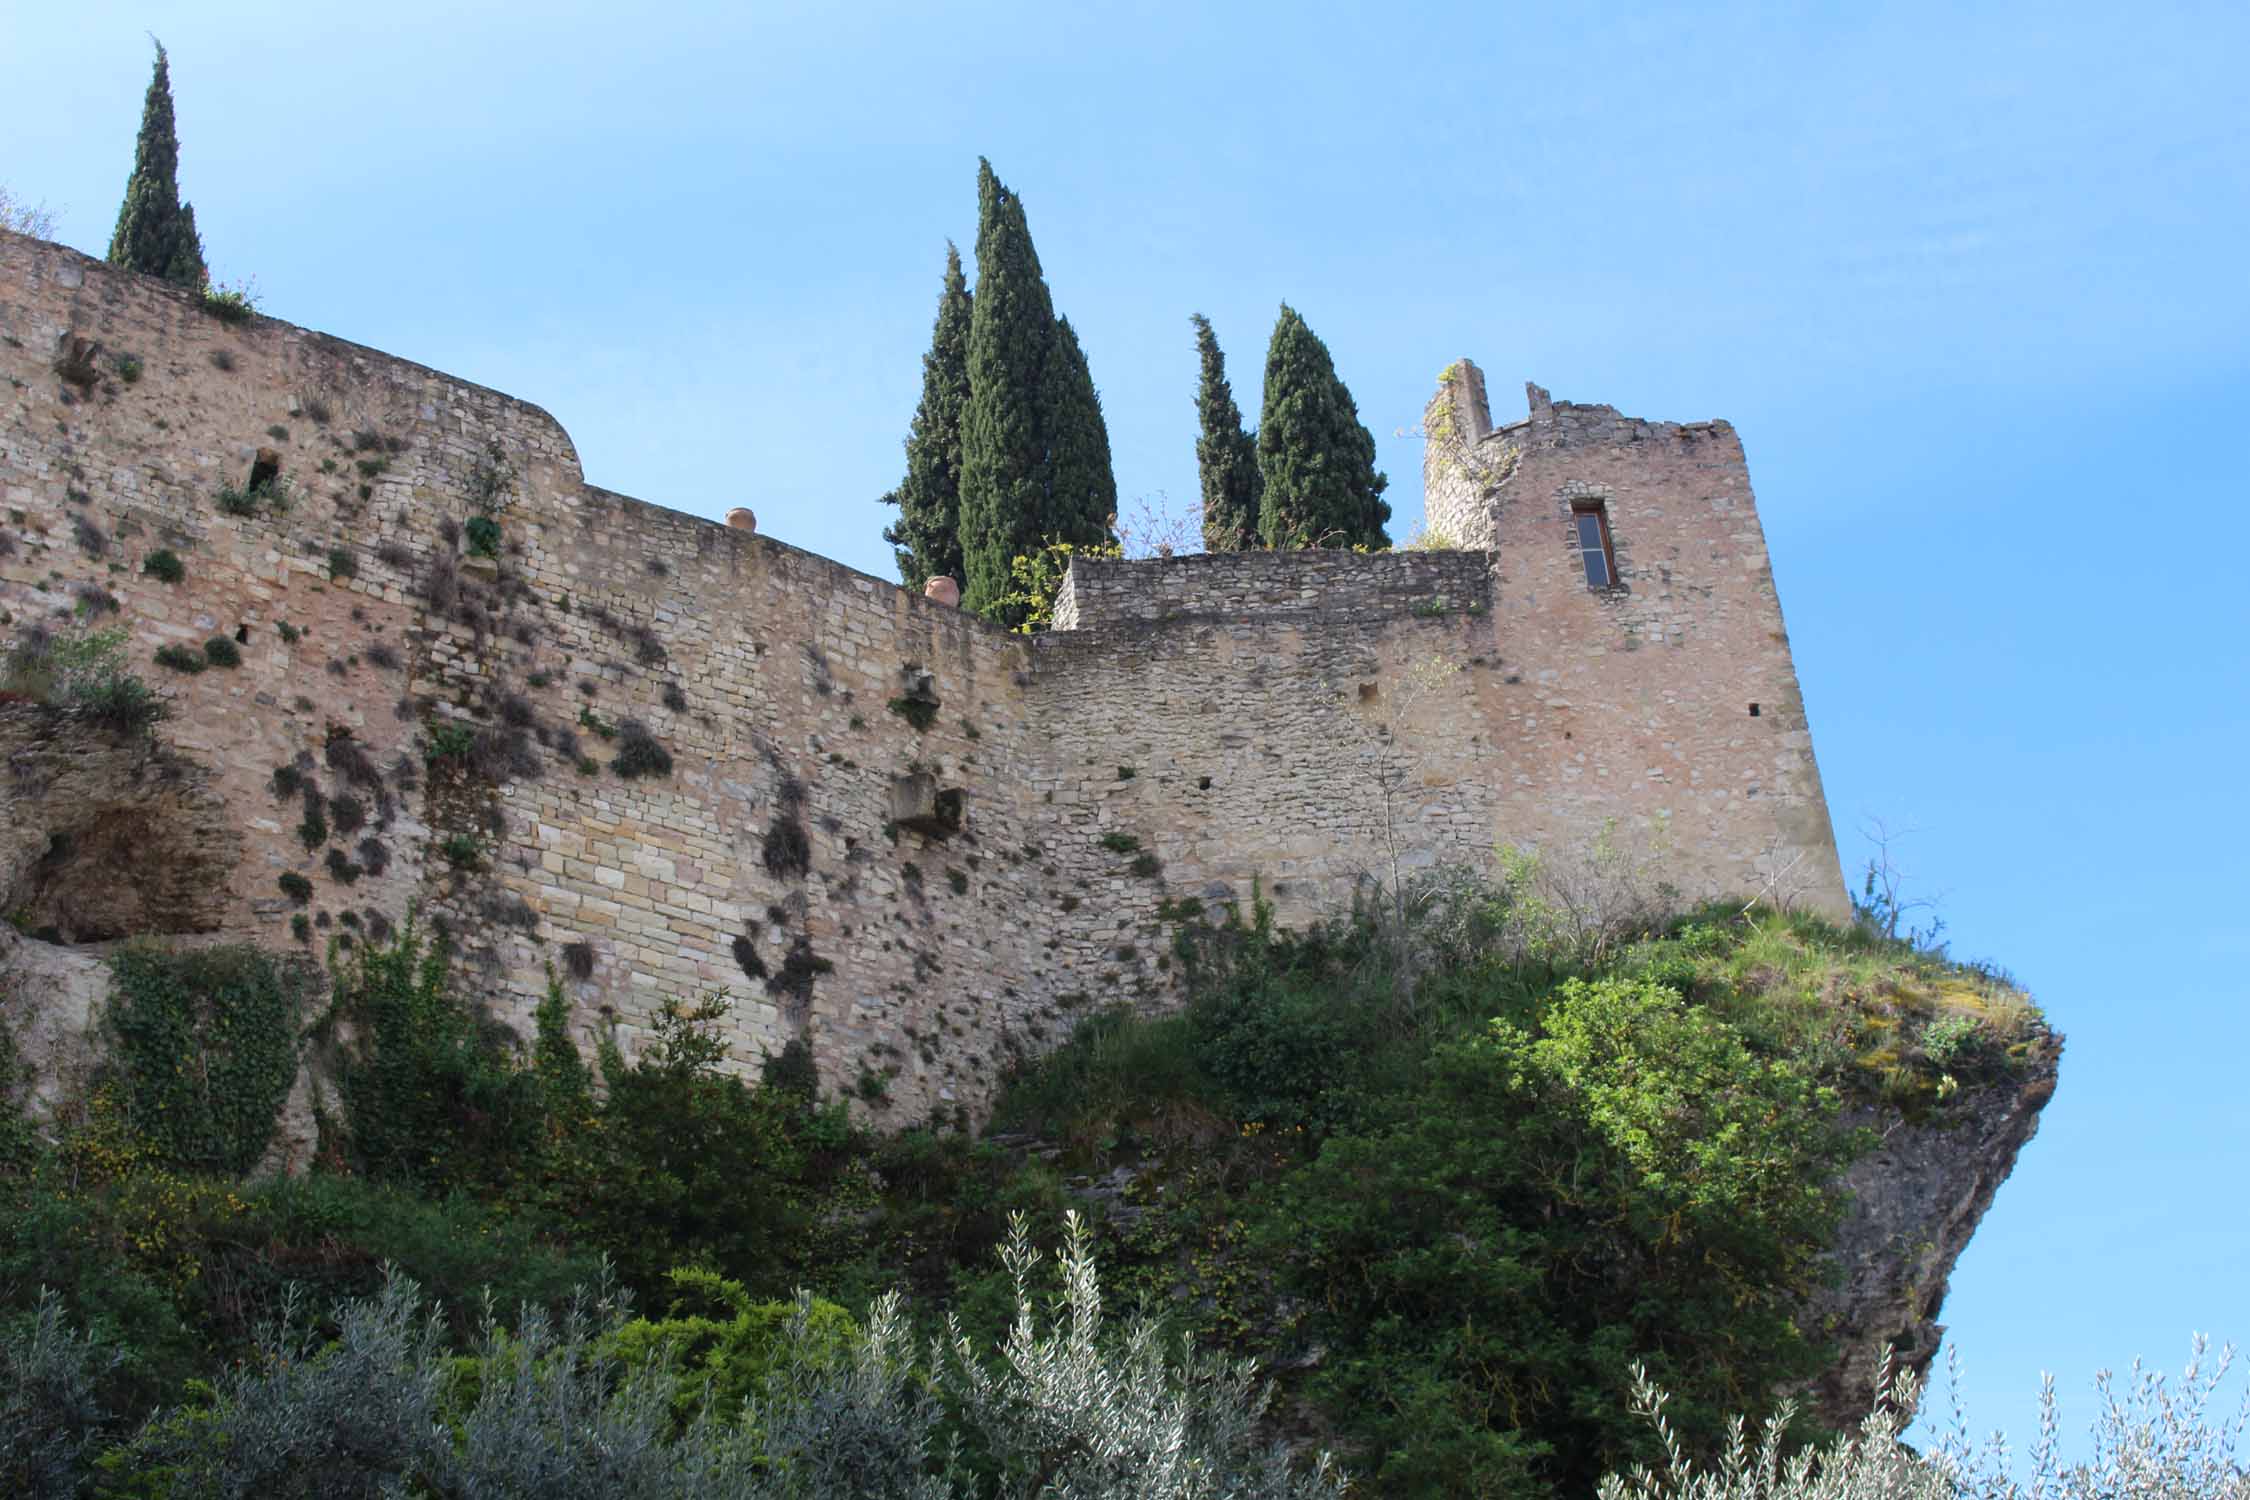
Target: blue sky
point(1968, 279)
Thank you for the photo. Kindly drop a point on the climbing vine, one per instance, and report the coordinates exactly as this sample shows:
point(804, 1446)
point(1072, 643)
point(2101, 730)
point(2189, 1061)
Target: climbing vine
point(206, 1049)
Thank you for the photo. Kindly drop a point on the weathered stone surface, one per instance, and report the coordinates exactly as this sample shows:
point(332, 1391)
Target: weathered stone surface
point(1916, 1200)
point(105, 836)
point(51, 1000)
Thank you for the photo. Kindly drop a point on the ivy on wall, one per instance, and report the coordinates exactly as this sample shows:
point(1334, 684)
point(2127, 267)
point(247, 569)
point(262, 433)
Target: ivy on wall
point(207, 1046)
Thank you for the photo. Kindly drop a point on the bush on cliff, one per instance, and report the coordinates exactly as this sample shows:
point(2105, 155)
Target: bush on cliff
point(1460, 1212)
point(1447, 1210)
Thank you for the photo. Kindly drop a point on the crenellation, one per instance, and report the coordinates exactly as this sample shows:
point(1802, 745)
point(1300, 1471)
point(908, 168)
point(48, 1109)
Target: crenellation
point(915, 842)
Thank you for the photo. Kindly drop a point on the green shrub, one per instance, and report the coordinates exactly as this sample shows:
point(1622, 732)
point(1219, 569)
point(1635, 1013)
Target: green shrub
point(484, 536)
point(165, 566)
point(419, 1066)
point(220, 651)
point(343, 562)
point(296, 887)
point(730, 1359)
point(181, 658)
point(230, 302)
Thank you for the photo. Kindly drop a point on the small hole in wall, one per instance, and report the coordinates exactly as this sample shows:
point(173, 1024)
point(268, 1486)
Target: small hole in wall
point(1753, 710)
point(1203, 783)
point(242, 638)
point(264, 469)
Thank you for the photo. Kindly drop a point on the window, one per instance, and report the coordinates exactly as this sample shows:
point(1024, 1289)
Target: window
point(1592, 521)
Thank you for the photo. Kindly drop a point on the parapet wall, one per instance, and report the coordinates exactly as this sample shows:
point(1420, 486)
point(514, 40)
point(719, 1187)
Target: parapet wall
point(915, 842)
point(1235, 585)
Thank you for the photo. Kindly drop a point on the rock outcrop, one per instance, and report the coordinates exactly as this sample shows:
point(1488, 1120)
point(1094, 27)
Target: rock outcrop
point(1916, 1200)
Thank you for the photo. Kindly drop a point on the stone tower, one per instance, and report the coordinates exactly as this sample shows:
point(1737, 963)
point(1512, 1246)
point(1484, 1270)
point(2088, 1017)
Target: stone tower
point(1635, 603)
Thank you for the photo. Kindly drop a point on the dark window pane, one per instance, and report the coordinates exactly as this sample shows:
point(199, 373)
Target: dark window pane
point(1597, 568)
point(1589, 531)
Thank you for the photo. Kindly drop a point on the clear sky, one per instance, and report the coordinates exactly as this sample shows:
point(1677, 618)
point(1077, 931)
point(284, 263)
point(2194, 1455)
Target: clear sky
point(1969, 280)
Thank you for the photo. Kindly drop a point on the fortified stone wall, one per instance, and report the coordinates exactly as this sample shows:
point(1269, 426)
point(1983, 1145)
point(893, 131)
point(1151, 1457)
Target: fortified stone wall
point(913, 841)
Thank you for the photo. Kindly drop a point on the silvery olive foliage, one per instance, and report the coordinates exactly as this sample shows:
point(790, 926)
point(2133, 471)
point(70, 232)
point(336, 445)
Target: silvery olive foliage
point(380, 1410)
point(50, 1414)
point(1068, 1415)
point(2153, 1442)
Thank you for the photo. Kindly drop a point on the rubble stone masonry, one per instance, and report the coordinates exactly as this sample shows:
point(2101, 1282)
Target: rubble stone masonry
point(919, 843)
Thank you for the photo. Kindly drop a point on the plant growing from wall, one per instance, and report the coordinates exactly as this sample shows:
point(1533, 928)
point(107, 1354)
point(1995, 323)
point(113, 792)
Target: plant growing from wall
point(206, 1049)
point(638, 752)
point(82, 673)
point(919, 712)
point(164, 566)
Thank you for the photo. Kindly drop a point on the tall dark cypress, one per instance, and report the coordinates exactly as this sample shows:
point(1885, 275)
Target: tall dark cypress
point(155, 230)
point(1225, 455)
point(1011, 329)
point(1080, 484)
point(1318, 462)
point(1034, 451)
point(927, 532)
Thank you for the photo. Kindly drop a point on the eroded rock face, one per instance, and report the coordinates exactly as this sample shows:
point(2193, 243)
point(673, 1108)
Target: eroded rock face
point(1917, 1198)
point(51, 1001)
point(106, 836)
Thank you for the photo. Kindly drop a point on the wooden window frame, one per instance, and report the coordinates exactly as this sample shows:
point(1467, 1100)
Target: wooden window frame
point(1599, 510)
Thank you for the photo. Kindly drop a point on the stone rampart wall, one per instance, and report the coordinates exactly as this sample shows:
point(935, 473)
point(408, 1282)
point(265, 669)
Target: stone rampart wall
point(918, 843)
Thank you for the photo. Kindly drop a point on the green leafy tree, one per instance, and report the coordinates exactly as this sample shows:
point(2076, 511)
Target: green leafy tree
point(687, 1162)
point(155, 230)
point(1627, 1180)
point(1036, 579)
point(1225, 456)
point(1317, 460)
point(1034, 450)
point(927, 532)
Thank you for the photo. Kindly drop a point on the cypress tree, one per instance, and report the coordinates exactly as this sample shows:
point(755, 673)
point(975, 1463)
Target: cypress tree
point(927, 532)
point(155, 230)
point(1080, 485)
point(1034, 451)
point(1318, 462)
point(1225, 455)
